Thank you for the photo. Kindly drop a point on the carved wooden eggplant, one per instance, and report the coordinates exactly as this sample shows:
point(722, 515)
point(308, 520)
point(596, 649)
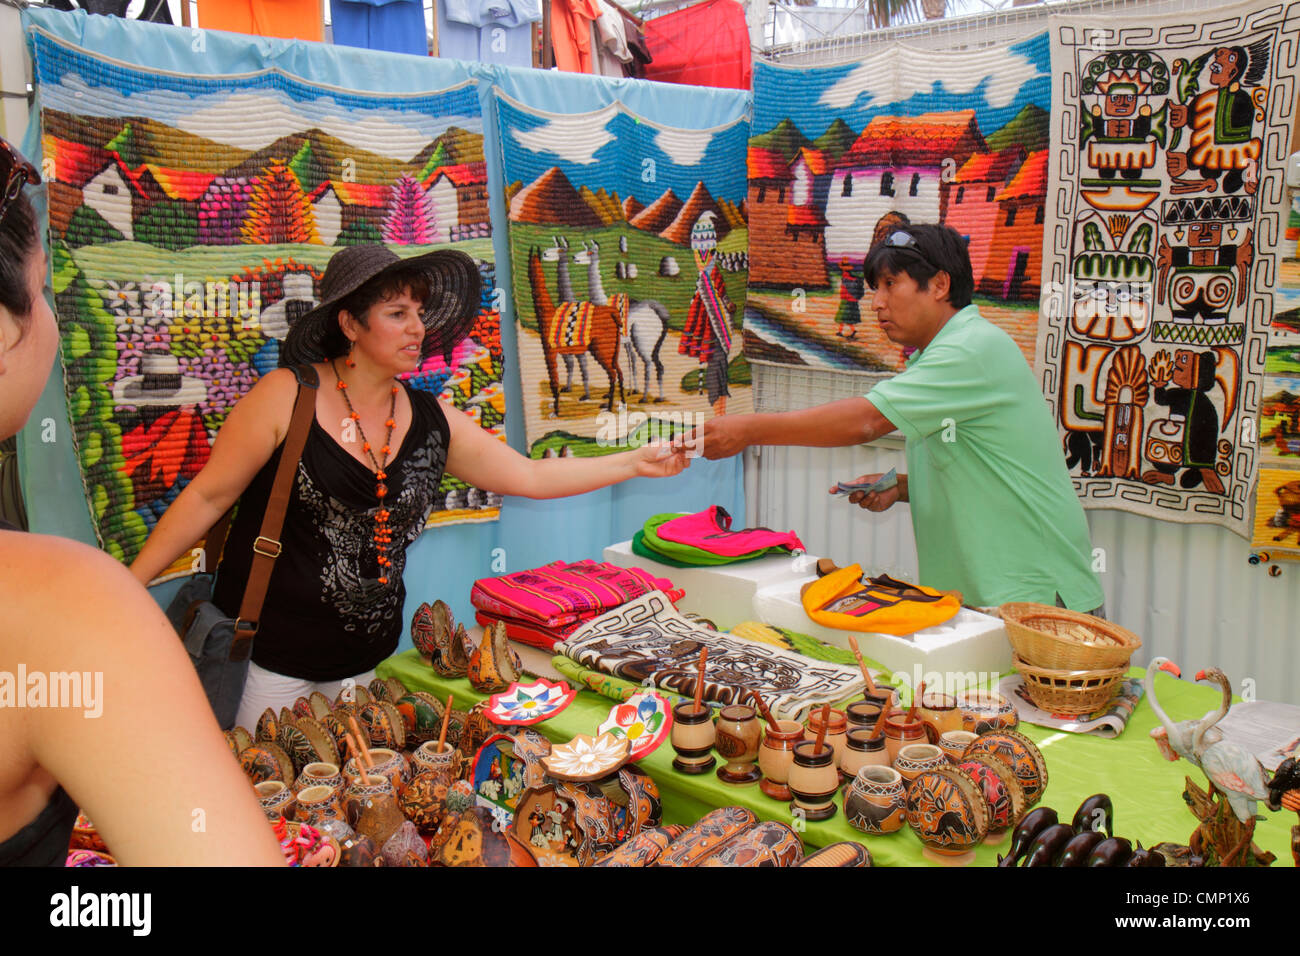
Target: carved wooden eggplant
point(1078, 850)
point(1095, 813)
point(1112, 851)
point(1033, 823)
point(1048, 845)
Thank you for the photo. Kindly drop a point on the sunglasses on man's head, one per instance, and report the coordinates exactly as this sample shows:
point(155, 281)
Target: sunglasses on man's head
point(15, 172)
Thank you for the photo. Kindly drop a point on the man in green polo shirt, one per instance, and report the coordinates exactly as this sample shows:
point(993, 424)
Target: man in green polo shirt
point(993, 509)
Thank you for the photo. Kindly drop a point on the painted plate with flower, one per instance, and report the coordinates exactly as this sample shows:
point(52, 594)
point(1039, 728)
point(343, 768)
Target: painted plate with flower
point(522, 704)
point(643, 720)
point(587, 758)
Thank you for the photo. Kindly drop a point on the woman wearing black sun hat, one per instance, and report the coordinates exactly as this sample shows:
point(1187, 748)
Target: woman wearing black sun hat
point(371, 465)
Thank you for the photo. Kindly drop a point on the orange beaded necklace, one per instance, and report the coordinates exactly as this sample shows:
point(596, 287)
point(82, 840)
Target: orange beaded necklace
point(383, 537)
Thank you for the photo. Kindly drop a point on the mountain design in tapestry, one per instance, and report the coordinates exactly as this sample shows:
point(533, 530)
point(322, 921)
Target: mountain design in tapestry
point(628, 247)
point(1167, 163)
point(186, 239)
point(841, 156)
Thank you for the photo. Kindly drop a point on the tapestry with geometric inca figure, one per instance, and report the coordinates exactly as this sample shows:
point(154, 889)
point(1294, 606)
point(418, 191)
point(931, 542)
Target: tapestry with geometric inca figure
point(1161, 254)
point(191, 220)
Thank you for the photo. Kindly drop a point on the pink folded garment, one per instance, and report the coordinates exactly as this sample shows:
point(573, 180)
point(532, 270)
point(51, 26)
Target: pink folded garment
point(558, 593)
point(710, 530)
point(528, 632)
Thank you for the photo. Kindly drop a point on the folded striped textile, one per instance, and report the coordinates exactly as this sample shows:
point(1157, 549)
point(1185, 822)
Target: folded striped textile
point(560, 594)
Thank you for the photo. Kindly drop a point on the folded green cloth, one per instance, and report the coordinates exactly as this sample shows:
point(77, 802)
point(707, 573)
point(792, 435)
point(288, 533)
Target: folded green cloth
point(643, 549)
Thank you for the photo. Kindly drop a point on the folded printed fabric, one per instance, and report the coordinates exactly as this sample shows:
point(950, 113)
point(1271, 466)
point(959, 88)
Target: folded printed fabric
point(558, 593)
point(697, 546)
point(647, 641)
point(710, 530)
point(885, 605)
point(606, 685)
point(527, 631)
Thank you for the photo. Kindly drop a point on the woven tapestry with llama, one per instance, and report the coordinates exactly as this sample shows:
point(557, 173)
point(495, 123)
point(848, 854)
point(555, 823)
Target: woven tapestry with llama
point(628, 247)
point(186, 239)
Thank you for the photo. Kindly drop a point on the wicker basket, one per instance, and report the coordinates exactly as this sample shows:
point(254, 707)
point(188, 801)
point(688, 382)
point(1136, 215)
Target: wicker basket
point(1058, 639)
point(1069, 691)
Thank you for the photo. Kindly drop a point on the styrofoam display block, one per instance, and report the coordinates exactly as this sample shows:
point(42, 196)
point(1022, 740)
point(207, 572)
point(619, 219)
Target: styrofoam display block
point(967, 643)
point(969, 648)
point(724, 594)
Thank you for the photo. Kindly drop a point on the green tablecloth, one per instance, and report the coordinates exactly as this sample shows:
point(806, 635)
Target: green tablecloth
point(1145, 788)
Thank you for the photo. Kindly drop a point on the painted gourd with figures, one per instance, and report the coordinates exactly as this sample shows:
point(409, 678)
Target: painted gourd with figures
point(947, 811)
point(1020, 754)
point(1005, 796)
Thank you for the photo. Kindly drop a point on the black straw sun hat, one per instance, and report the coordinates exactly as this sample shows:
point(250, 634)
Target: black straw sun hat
point(450, 312)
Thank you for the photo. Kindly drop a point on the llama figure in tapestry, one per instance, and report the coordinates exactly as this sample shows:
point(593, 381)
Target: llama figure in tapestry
point(647, 321)
point(575, 328)
point(558, 254)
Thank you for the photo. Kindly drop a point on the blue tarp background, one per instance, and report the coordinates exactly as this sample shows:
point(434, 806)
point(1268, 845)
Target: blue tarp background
point(446, 561)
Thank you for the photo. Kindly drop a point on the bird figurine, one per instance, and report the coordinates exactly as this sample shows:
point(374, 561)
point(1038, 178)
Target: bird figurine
point(1234, 770)
point(1173, 739)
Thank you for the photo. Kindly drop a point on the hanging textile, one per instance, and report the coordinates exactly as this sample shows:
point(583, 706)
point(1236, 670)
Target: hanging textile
point(609, 40)
point(488, 31)
point(186, 240)
point(571, 26)
point(605, 210)
point(290, 19)
point(1277, 502)
point(393, 25)
point(1161, 263)
point(703, 45)
point(840, 155)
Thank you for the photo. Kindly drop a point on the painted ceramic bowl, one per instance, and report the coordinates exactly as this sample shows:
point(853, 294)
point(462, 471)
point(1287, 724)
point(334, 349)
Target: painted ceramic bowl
point(587, 758)
point(427, 758)
point(899, 732)
point(524, 704)
point(862, 714)
point(1005, 796)
point(954, 744)
point(645, 719)
point(983, 711)
point(1020, 754)
point(275, 799)
point(320, 775)
point(318, 804)
point(388, 763)
point(861, 749)
point(876, 800)
point(948, 812)
point(915, 758)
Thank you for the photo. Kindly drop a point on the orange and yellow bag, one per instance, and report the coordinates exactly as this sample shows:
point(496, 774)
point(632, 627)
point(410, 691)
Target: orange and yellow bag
point(882, 604)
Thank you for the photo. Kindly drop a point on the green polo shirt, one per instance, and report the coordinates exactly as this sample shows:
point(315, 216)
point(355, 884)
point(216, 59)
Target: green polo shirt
point(993, 508)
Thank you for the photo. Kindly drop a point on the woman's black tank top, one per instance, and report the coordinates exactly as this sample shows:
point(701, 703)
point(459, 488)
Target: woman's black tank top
point(326, 615)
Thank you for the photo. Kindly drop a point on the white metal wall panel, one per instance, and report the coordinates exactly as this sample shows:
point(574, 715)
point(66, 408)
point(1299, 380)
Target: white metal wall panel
point(1187, 590)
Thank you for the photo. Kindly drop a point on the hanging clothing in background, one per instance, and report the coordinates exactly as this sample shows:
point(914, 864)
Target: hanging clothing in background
point(703, 45)
point(393, 25)
point(636, 45)
point(488, 31)
point(289, 19)
point(153, 11)
point(609, 41)
point(571, 27)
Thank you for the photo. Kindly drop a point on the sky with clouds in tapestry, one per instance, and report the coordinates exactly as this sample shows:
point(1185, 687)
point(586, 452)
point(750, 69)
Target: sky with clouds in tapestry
point(841, 156)
point(628, 247)
point(186, 239)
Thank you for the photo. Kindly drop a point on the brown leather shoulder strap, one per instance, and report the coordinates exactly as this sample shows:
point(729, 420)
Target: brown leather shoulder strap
point(266, 547)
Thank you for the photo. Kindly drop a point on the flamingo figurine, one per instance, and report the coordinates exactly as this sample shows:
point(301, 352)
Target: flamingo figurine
point(1173, 739)
point(1231, 768)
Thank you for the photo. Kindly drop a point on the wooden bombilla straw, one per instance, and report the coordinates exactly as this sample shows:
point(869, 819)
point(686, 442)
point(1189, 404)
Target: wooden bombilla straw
point(767, 714)
point(821, 734)
point(361, 741)
point(866, 674)
point(356, 755)
point(446, 716)
point(699, 682)
point(880, 723)
point(916, 699)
